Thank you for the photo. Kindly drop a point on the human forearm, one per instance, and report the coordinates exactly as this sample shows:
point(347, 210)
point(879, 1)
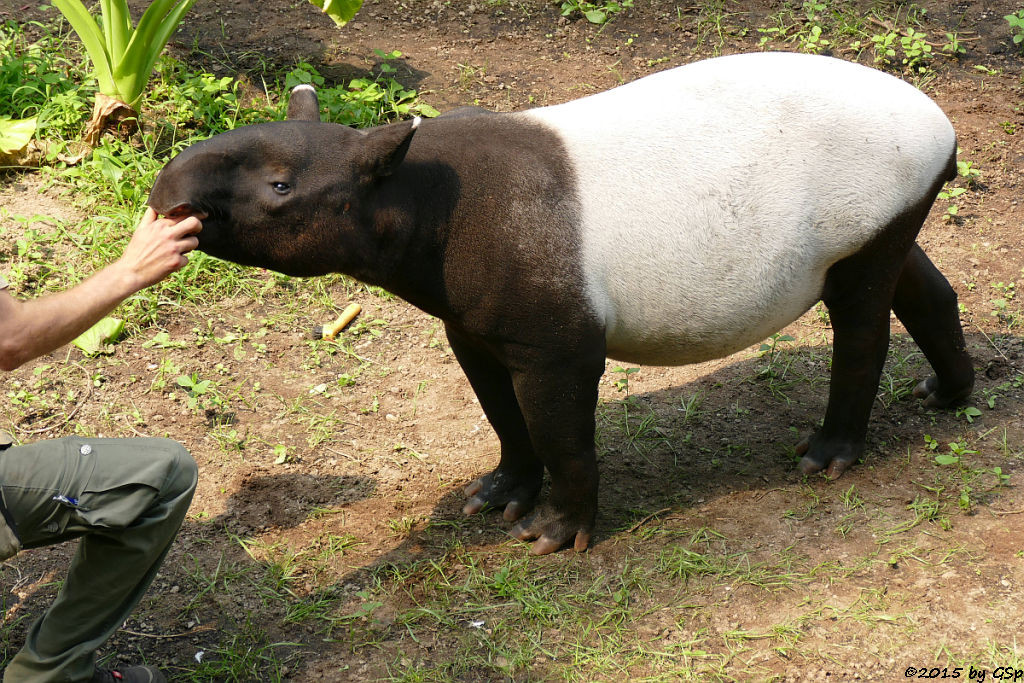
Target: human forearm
point(30, 329)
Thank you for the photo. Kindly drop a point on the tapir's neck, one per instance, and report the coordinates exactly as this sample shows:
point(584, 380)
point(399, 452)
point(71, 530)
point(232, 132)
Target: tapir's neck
point(478, 207)
point(407, 221)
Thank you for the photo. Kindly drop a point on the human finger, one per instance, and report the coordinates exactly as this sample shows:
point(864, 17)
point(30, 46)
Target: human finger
point(187, 226)
point(188, 244)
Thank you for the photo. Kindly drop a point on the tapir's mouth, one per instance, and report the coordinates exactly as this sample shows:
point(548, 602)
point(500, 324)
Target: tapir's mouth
point(186, 211)
point(211, 234)
point(181, 211)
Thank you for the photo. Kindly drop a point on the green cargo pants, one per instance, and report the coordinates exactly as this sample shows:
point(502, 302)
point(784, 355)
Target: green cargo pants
point(126, 499)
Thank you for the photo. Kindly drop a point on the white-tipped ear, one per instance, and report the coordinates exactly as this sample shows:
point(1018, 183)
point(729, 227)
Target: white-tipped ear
point(416, 122)
point(303, 104)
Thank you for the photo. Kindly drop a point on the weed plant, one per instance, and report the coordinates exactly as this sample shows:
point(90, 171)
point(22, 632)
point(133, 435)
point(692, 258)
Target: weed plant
point(891, 37)
point(42, 78)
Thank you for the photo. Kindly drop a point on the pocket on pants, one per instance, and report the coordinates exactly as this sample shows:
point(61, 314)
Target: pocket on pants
point(41, 483)
point(126, 481)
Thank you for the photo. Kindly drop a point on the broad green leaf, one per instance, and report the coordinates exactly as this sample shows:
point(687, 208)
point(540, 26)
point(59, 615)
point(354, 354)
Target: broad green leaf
point(427, 110)
point(94, 340)
point(162, 340)
point(156, 26)
point(93, 39)
point(117, 25)
point(341, 11)
point(596, 16)
point(15, 134)
point(945, 459)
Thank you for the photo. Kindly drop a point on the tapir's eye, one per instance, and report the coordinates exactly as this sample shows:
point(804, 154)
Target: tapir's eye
point(281, 188)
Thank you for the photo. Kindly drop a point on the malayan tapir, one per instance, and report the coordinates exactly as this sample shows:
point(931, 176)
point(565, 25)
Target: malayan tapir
point(672, 220)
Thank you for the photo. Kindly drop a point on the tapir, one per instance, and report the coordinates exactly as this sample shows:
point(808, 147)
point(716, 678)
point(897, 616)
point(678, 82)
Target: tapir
point(671, 220)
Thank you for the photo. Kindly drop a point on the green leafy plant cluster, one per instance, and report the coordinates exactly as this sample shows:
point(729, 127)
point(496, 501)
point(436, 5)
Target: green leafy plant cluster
point(40, 87)
point(123, 56)
point(33, 73)
point(595, 13)
point(1016, 22)
point(892, 41)
point(969, 175)
point(363, 101)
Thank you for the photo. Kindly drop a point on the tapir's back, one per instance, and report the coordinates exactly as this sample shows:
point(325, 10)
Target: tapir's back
point(716, 196)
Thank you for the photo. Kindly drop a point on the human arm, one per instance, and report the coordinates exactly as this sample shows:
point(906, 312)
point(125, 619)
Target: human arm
point(29, 329)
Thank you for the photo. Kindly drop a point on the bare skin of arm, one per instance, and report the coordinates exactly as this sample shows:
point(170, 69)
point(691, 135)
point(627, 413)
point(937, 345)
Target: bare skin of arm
point(29, 329)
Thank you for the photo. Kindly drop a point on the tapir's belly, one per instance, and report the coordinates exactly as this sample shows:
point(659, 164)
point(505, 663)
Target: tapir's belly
point(707, 277)
point(696, 312)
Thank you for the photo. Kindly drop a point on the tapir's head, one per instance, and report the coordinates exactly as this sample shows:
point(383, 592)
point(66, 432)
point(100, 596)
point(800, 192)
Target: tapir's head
point(287, 195)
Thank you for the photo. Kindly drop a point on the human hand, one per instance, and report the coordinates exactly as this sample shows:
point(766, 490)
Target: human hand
point(159, 247)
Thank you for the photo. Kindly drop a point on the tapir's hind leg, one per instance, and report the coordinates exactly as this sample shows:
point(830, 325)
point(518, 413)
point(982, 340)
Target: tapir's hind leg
point(859, 293)
point(926, 305)
point(859, 311)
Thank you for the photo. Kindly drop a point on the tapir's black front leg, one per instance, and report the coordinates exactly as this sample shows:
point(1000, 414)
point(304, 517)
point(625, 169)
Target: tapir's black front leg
point(558, 396)
point(541, 404)
point(516, 482)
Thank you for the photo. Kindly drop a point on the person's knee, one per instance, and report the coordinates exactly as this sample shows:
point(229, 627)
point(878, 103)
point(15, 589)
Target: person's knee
point(183, 470)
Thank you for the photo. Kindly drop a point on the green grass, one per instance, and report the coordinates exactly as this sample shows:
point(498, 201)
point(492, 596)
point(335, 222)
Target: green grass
point(41, 77)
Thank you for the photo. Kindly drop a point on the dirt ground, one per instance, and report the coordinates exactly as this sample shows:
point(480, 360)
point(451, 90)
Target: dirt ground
point(385, 457)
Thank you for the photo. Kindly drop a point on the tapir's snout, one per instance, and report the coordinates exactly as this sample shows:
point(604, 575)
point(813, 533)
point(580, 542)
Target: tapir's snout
point(174, 194)
point(179, 192)
point(189, 186)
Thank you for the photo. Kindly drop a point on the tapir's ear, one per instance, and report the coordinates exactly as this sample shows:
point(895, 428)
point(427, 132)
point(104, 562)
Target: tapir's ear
point(386, 146)
point(303, 104)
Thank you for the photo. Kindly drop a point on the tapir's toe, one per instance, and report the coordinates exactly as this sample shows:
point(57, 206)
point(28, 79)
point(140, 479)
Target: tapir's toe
point(832, 459)
point(515, 511)
point(474, 505)
point(936, 394)
point(498, 490)
point(545, 546)
point(836, 468)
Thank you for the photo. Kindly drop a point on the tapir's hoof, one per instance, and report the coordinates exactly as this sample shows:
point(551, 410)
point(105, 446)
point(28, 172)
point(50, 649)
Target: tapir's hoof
point(818, 459)
point(552, 529)
point(484, 494)
point(935, 396)
point(545, 544)
point(833, 470)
